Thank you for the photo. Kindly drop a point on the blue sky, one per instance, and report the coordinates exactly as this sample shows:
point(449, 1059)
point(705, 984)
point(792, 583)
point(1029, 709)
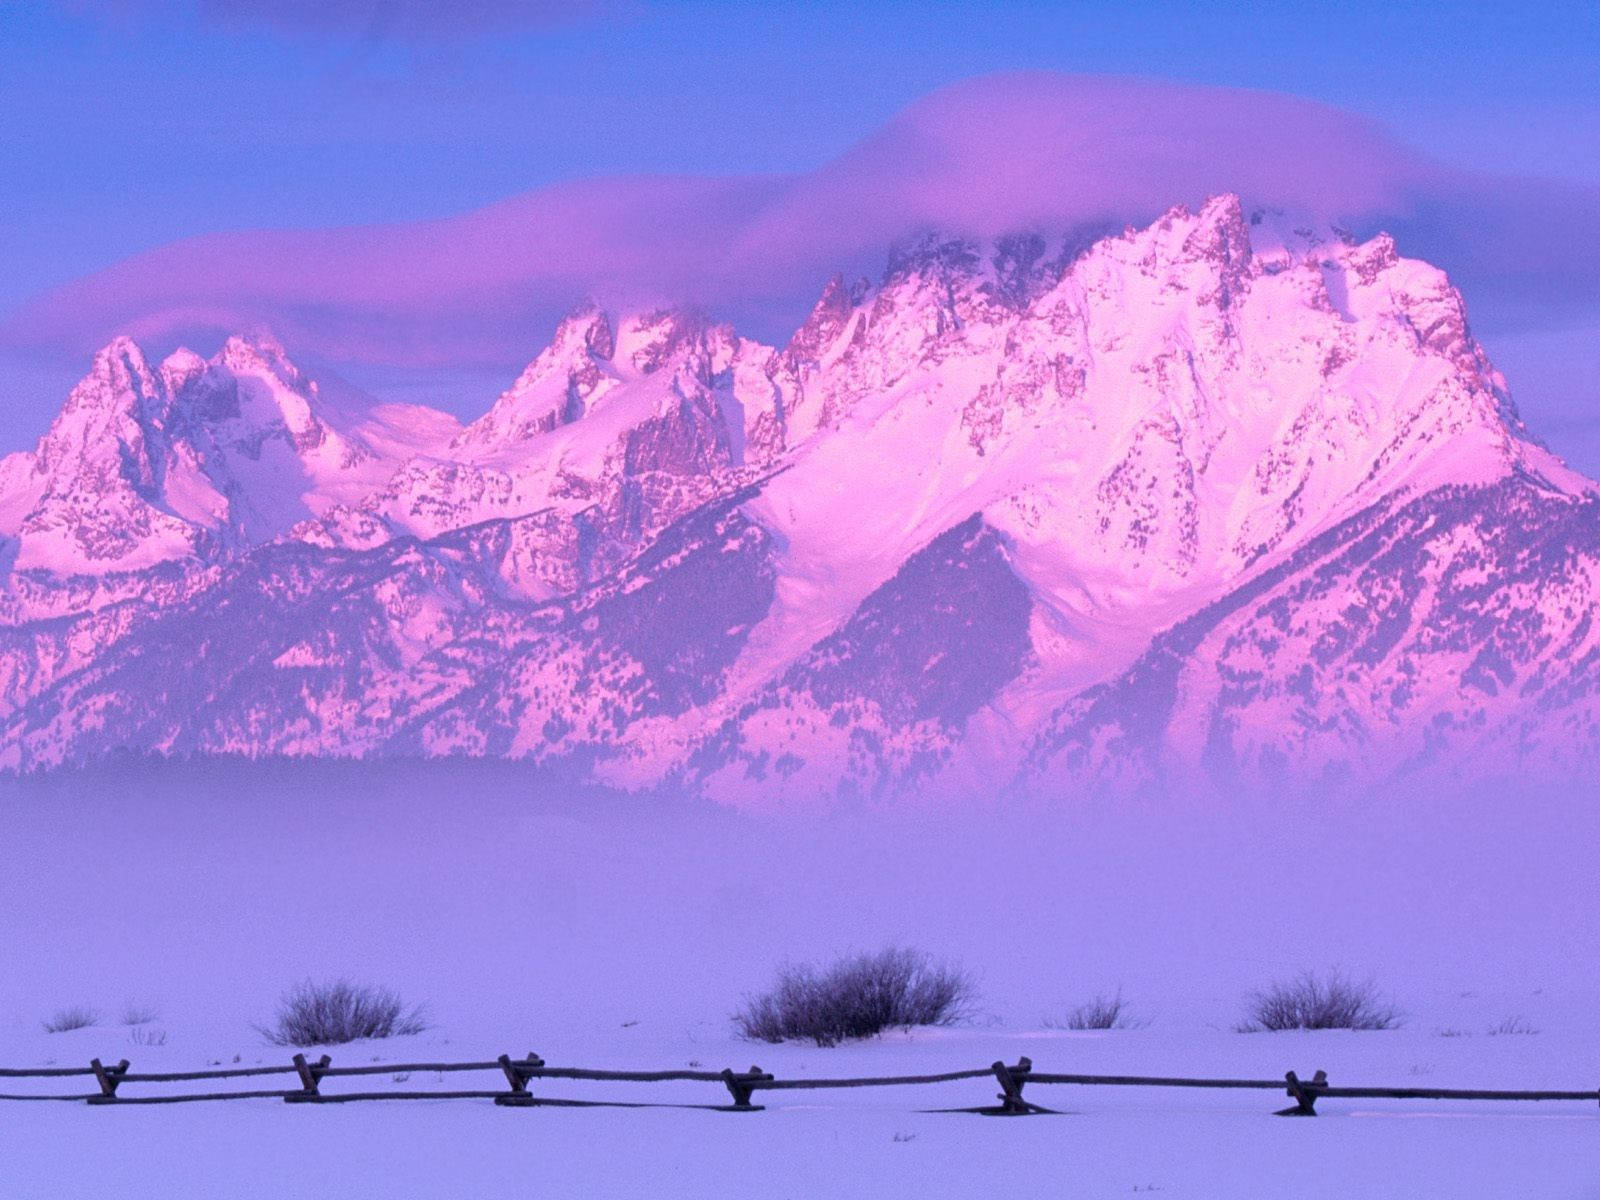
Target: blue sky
point(126, 131)
point(126, 124)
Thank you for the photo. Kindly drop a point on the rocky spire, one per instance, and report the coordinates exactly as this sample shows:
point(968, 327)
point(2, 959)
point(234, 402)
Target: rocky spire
point(824, 325)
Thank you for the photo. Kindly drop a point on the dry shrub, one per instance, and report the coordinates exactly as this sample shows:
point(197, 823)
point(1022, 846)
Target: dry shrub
point(76, 1016)
point(857, 997)
point(1313, 1001)
point(328, 1014)
point(1103, 1012)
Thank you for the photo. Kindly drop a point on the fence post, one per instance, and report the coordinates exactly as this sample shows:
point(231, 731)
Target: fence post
point(309, 1073)
point(1011, 1080)
point(1303, 1094)
point(108, 1078)
point(517, 1073)
point(741, 1087)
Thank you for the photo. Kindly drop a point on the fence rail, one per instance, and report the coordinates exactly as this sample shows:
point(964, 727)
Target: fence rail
point(742, 1086)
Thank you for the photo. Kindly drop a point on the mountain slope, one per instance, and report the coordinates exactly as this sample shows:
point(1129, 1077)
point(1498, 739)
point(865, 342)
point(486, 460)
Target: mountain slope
point(1453, 633)
point(1227, 495)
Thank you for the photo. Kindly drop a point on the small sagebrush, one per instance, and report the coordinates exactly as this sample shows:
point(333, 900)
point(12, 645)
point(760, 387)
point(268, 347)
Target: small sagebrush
point(328, 1014)
point(1103, 1012)
point(134, 1013)
point(857, 997)
point(1313, 1001)
point(1512, 1026)
point(67, 1019)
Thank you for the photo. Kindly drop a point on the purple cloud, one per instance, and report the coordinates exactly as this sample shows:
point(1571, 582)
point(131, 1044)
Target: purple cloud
point(987, 156)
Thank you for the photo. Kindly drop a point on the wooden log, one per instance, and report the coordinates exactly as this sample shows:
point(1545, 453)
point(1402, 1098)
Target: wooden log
point(80, 1096)
point(308, 1081)
point(349, 1097)
point(43, 1072)
point(404, 1068)
point(190, 1076)
point(879, 1080)
point(1382, 1093)
point(740, 1086)
point(103, 1078)
point(517, 1073)
point(310, 1072)
point(1304, 1094)
point(191, 1097)
point(514, 1077)
point(1011, 1080)
point(625, 1076)
point(108, 1077)
point(1266, 1085)
point(525, 1100)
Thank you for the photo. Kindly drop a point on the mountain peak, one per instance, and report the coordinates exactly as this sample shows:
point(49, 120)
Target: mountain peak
point(648, 341)
point(827, 320)
point(182, 363)
point(932, 253)
point(1221, 232)
point(261, 353)
point(121, 347)
point(182, 358)
point(587, 330)
point(120, 373)
point(189, 461)
point(552, 390)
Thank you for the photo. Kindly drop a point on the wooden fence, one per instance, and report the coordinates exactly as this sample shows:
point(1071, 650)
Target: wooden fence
point(515, 1074)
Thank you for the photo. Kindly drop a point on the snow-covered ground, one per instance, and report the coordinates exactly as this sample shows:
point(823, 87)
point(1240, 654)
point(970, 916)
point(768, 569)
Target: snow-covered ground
point(601, 932)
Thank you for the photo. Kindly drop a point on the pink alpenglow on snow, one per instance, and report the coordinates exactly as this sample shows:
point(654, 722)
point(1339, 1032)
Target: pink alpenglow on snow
point(1234, 495)
point(883, 583)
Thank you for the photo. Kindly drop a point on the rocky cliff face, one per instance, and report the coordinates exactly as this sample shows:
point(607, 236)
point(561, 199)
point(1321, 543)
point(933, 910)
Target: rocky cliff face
point(1224, 496)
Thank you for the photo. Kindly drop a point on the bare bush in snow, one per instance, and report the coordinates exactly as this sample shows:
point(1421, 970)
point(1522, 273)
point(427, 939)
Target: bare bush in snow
point(328, 1014)
point(75, 1017)
point(857, 997)
point(137, 1014)
point(1511, 1025)
point(1313, 1001)
point(1103, 1012)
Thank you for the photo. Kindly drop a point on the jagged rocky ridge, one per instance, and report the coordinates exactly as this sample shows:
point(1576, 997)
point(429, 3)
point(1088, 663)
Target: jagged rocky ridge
point(1223, 497)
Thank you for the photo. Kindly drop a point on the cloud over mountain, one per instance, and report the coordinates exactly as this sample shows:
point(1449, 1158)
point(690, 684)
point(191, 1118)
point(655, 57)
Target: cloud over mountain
point(987, 156)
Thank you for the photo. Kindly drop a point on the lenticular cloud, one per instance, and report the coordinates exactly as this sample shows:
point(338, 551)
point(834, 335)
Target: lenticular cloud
point(982, 157)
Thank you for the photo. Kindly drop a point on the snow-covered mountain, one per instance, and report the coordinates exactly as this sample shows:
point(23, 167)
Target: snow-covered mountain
point(605, 439)
point(192, 459)
point(1225, 495)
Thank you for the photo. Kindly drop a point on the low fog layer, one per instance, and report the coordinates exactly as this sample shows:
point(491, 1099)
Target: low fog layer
point(547, 913)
